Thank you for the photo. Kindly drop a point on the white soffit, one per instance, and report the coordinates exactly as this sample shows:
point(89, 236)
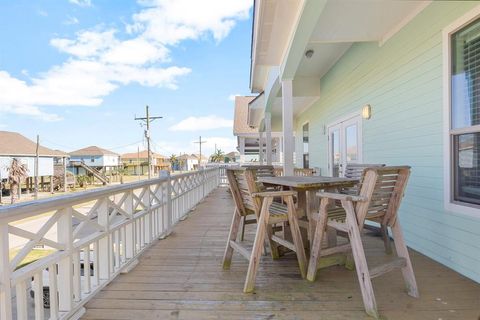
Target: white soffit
point(343, 22)
point(366, 20)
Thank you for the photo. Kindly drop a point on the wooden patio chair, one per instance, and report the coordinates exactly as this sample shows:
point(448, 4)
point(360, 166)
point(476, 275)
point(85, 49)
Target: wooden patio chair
point(268, 213)
point(378, 200)
point(357, 171)
point(260, 171)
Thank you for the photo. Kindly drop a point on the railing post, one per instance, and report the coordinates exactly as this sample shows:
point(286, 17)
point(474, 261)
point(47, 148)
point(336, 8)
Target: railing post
point(104, 248)
point(65, 267)
point(147, 238)
point(168, 200)
point(129, 235)
point(5, 273)
point(203, 183)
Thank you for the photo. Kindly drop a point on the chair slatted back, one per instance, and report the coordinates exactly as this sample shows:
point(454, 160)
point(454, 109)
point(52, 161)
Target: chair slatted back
point(355, 170)
point(261, 170)
point(240, 192)
point(384, 187)
point(301, 172)
point(254, 186)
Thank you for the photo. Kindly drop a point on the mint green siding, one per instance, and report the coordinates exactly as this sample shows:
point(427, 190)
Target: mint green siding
point(402, 81)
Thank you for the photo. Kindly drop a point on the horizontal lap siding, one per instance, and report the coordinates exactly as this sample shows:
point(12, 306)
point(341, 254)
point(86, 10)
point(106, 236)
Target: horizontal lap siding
point(402, 81)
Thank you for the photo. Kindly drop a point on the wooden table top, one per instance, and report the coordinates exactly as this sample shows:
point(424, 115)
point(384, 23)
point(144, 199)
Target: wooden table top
point(310, 182)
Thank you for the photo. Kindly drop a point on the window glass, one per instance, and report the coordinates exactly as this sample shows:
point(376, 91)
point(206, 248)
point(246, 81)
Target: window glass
point(336, 152)
point(465, 80)
point(352, 143)
point(467, 168)
point(306, 162)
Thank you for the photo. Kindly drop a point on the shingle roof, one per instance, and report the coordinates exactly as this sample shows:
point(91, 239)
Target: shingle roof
point(240, 118)
point(142, 154)
point(92, 151)
point(187, 156)
point(14, 144)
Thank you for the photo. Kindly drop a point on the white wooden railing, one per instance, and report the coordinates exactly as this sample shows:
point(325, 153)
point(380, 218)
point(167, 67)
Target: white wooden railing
point(106, 229)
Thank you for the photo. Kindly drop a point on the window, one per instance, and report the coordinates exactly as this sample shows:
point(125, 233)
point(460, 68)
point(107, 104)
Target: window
point(306, 160)
point(464, 109)
point(92, 159)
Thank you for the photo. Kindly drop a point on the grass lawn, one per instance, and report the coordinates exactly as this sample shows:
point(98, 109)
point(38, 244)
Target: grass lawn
point(33, 256)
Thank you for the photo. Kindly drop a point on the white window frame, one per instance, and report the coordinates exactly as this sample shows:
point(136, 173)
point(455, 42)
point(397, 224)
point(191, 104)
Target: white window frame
point(449, 204)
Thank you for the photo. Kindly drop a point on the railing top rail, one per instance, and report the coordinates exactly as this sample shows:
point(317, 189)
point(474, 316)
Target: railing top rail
point(30, 208)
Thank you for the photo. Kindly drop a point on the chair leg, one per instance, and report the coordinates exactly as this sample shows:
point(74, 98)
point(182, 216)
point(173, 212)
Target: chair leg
point(317, 240)
point(386, 238)
point(402, 251)
point(257, 246)
point(244, 222)
point(232, 236)
point(272, 244)
point(360, 261)
point(297, 237)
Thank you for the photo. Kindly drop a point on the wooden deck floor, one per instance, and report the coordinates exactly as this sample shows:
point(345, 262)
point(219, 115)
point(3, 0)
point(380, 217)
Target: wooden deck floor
point(181, 278)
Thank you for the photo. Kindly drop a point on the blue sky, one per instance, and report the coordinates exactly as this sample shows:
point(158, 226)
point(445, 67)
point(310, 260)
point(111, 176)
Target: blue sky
point(76, 72)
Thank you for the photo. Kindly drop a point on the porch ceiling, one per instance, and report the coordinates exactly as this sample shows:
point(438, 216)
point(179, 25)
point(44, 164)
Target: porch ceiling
point(343, 22)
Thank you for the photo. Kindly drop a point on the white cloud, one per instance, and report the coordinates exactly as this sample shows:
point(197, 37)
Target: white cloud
point(232, 96)
point(71, 20)
point(170, 21)
point(81, 3)
point(202, 123)
point(100, 60)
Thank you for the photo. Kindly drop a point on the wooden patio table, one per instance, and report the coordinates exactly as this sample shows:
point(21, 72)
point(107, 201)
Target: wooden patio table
point(306, 188)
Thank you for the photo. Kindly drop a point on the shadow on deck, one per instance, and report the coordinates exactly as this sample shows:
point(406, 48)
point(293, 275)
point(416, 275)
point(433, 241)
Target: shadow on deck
point(181, 277)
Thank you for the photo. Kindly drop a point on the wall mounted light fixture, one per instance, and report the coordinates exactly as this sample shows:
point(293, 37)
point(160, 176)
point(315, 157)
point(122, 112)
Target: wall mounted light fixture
point(366, 112)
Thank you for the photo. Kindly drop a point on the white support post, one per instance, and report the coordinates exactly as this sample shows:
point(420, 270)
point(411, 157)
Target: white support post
point(65, 266)
point(241, 148)
point(287, 121)
point(5, 272)
point(260, 147)
point(268, 136)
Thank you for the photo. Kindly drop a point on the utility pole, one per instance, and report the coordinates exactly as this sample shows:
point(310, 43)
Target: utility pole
point(147, 119)
point(36, 167)
point(200, 142)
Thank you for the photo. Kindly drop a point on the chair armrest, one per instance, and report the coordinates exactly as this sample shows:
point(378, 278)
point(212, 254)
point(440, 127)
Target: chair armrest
point(274, 194)
point(341, 196)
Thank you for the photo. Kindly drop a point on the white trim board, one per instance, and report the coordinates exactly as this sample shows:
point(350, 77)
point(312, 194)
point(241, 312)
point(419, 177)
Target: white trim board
point(449, 205)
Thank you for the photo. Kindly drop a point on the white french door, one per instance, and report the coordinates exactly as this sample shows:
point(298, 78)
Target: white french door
point(344, 144)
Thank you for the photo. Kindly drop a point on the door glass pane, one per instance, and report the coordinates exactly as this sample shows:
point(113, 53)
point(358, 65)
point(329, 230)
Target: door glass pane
point(465, 82)
point(335, 138)
point(305, 146)
point(352, 143)
point(467, 168)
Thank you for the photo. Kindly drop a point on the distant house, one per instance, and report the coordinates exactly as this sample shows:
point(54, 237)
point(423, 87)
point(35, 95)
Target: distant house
point(204, 160)
point(101, 159)
point(14, 145)
point(136, 163)
point(233, 156)
point(188, 162)
point(250, 139)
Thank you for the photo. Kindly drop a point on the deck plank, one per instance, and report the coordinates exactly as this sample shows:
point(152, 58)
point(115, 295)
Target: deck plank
point(181, 277)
